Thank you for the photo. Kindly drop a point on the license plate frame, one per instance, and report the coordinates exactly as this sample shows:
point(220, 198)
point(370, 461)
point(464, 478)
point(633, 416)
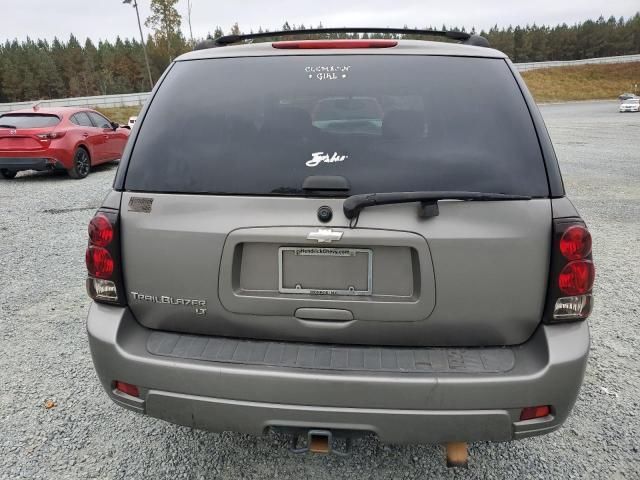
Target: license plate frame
point(325, 251)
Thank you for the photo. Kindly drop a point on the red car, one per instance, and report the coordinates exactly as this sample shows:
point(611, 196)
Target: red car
point(73, 139)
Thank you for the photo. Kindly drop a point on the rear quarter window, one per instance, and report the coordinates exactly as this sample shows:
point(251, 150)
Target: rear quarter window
point(98, 120)
point(261, 125)
point(82, 119)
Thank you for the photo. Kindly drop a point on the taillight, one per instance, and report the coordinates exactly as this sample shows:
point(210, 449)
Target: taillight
point(102, 257)
point(100, 230)
point(333, 44)
point(575, 242)
point(99, 262)
point(50, 135)
point(572, 273)
point(576, 278)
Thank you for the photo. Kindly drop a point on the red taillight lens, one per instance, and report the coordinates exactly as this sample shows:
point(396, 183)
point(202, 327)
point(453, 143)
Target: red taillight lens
point(575, 243)
point(128, 389)
point(50, 135)
point(104, 283)
point(99, 262)
point(100, 231)
point(572, 272)
point(314, 44)
point(530, 413)
point(576, 278)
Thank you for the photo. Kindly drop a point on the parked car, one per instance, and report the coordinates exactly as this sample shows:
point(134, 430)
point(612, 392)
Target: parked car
point(132, 121)
point(630, 105)
point(425, 279)
point(627, 96)
point(347, 114)
point(71, 139)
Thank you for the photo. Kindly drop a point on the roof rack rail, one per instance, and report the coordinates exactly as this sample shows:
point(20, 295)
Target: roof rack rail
point(463, 37)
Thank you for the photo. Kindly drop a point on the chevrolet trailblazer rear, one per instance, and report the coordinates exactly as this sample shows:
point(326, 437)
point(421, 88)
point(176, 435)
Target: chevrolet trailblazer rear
point(327, 238)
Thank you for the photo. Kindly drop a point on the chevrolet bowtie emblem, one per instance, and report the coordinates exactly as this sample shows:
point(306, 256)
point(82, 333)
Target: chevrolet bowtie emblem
point(325, 235)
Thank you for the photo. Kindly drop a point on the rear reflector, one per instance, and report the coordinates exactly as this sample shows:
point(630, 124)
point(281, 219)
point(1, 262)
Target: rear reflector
point(99, 262)
point(530, 413)
point(316, 44)
point(576, 278)
point(128, 389)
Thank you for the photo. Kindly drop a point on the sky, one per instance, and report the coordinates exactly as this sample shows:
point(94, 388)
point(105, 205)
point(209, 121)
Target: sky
point(107, 19)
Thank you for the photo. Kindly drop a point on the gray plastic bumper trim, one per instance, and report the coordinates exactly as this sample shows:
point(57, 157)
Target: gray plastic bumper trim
point(218, 396)
point(331, 357)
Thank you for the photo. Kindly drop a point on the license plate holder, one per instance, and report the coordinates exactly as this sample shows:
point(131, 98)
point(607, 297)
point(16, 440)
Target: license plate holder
point(354, 272)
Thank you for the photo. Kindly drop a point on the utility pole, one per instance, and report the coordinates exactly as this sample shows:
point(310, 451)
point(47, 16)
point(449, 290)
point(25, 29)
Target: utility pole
point(189, 19)
point(144, 45)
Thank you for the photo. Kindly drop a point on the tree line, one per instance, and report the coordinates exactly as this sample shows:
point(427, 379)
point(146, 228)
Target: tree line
point(39, 69)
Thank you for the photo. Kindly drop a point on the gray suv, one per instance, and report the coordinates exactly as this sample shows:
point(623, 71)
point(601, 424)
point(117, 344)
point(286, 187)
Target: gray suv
point(404, 263)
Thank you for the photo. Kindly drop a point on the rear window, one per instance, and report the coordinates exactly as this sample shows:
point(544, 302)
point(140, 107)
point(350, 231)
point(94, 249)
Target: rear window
point(260, 126)
point(29, 120)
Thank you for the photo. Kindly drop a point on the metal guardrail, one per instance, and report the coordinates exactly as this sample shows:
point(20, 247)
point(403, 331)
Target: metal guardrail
point(107, 101)
point(134, 99)
point(523, 67)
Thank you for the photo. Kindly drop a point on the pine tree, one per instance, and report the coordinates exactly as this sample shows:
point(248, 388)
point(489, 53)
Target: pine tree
point(165, 21)
point(34, 69)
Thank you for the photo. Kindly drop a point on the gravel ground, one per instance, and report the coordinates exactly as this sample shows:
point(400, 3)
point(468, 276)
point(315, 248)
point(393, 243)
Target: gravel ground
point(45, 354)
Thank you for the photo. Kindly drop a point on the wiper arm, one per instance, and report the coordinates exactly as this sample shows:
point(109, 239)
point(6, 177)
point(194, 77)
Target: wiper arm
point(353, 205)
point(8, 126)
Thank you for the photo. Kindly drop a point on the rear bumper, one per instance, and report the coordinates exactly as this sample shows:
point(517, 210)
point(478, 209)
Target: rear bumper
point(405, 407)
point(28, 163)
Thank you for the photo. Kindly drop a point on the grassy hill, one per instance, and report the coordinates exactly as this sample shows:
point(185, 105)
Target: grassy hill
point(583, 82)
point(119, 114)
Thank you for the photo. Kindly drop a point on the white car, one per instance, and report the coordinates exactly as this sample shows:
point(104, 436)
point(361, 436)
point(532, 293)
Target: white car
point(630, 105)
point(132, 121)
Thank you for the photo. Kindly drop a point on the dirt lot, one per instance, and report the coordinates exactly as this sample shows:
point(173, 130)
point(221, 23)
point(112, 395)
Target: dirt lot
point(45, 354)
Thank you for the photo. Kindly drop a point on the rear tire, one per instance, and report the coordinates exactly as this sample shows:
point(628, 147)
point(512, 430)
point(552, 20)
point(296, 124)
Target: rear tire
point(8, 174)
point(81, 164)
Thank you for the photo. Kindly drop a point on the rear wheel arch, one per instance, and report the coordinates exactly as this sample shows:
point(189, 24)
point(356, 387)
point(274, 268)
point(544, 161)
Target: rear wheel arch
point(81, 162)
point(87, 149)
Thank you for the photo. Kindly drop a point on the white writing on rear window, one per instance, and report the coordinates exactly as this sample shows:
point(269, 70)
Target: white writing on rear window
point(320, 157)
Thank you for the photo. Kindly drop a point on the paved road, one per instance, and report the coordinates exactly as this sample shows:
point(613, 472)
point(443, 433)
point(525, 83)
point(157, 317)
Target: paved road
point(45, 355)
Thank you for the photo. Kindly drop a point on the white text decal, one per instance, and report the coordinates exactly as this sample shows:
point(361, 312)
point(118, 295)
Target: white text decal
point(320, 157)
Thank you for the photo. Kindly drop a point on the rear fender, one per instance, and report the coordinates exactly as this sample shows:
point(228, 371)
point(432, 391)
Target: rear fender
point(87, 148)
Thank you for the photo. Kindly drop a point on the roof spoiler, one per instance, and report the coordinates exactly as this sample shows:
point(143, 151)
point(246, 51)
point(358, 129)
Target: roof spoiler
point(462, 37)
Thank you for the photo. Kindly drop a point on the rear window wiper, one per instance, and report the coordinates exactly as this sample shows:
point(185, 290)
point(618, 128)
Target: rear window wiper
point(7, 126)
point(353, 205)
